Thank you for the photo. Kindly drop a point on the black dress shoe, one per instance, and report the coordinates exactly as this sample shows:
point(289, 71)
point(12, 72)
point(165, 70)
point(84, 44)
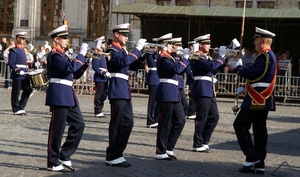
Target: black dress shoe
point(123, 164)
point(257, 170)
point(128, 164)
point(69, 167)
point(172, 157)
point(166, 159)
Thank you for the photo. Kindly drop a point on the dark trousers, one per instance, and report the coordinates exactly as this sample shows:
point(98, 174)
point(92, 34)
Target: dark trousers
point(207, 117)
point(100, 96)
point(170, 125)
point(191, 107)
point(17, 86)
point(8, 81)
point(242, 124)
point(184, 102)
point(61, 115)
point(153, 108)
point(120, 126)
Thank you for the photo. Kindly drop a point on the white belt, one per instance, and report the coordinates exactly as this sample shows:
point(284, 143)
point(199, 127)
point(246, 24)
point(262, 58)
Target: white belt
point(260, 84)
point(102, 69)
point(206, 78)
point(61, 81)
point(171, 81)
point(152, 69)
point(119, 75)
point(21, 66)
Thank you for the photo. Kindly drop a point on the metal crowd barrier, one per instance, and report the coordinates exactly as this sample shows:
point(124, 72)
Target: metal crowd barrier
point(85, 84)
point(2, 69)
point(287, 87)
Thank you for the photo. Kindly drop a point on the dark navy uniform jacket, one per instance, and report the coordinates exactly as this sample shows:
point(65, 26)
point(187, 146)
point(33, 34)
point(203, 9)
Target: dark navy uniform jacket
point(100, 68)
point(18, 62)
point(264, 60)
point(181, 75)
point(118, 65)
point(152, 76)
point(202, 71)
point(189, 78)
point(168, 72)
point(61, 71)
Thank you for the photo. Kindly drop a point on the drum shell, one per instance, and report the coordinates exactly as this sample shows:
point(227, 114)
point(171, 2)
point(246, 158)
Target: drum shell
point(38, 78)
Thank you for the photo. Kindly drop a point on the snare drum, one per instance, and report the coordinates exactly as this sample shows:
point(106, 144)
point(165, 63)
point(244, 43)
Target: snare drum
point(38, 78)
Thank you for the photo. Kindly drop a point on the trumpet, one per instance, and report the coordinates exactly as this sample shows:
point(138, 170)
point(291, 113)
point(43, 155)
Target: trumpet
point(197, 56)
point(92, 53)
point(69, 46)
point(147, 45)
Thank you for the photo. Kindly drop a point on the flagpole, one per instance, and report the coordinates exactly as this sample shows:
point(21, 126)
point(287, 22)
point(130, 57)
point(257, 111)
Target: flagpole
point(236, 108)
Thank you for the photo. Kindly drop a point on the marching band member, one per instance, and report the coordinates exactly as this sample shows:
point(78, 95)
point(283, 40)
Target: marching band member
point(100, 77)
point(152, 81)
point(191, 113)
point(177, 54)
point(119, 94)
point(258, 101)
point(207, 114)
point(62, 100)
point(172, 116)
point(18, 63)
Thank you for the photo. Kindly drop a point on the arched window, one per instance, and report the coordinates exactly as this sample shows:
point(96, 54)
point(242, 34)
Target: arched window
point(6, 16)
point(98, 17)
point(51, 12)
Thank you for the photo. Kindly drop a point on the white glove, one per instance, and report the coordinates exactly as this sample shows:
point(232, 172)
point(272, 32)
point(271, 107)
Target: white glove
point(240, 90)
point(179, 51)
point(215, 80)
point(22, 73)
point(83, 49)
point(99, 42)
point(30, 47)
point(108, 74)
point(222, 51)
point(71, 51)
point(196, 47)
point(140, 44)
point(37, 64)
point(239, 63)
point(186, 53)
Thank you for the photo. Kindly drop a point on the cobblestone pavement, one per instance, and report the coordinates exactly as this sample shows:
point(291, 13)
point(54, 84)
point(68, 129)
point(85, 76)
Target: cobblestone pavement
point(23, 143)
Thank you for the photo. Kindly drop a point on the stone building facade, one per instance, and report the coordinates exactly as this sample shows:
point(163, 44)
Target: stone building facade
point(31, 16)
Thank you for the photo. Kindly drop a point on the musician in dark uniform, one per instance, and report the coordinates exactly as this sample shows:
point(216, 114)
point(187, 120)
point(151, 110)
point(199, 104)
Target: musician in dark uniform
point(119, 93)
point(18, 63)
point(191, 114)
point(62, 100)
point(177, 54)
point(172, 116)
point(258, 101)
point(207, 114)
point(152, 81)
point(100, 78)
